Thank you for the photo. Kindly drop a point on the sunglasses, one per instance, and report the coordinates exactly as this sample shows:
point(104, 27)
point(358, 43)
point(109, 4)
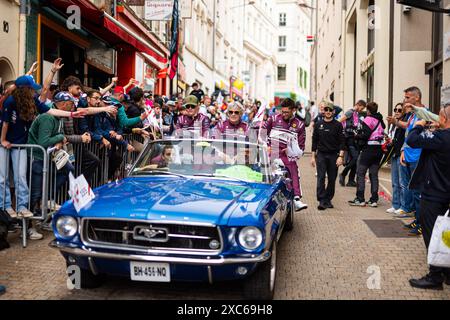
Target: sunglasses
point(234, 112)
point(328, 110)
point(398, 110)
point(190, 107)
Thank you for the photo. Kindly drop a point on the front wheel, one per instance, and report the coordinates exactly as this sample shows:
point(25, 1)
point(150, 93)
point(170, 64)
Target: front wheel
point(261, 284)
point(289, 224)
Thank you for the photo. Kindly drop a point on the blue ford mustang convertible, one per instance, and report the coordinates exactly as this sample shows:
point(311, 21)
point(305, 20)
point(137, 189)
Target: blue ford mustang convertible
point(189, 210)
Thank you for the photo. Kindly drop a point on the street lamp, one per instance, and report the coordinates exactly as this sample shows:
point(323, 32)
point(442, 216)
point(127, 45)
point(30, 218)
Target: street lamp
point(250, 3)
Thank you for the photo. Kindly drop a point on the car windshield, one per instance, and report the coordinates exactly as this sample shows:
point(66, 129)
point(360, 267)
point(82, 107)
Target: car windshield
point(237, 160)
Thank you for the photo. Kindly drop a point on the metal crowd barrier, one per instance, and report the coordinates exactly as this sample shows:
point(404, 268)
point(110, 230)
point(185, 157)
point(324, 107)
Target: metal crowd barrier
point(13, 195)
point(52, 197)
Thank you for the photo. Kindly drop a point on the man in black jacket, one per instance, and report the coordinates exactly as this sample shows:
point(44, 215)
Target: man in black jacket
point(328, 143)
point(432, 178)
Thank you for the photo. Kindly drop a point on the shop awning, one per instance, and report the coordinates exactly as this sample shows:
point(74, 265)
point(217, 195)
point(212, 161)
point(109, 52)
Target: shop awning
point(128, 36)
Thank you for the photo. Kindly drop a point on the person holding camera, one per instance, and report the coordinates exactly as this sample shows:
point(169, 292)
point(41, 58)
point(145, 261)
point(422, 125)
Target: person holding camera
point(397, 137)
point(351, 122)
point(431, 179)
point(372, 132)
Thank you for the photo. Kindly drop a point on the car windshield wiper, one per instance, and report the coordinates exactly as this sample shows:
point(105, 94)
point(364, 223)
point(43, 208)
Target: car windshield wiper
point(160, 172)
point(221, 176)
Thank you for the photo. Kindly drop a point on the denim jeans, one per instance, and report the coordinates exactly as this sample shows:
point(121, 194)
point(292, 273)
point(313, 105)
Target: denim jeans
point(411, 198)
point(397, 192)
point(19, 165)
point(36, 181)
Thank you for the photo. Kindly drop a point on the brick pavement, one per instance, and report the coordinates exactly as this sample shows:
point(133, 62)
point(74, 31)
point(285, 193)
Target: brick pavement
point(326, 257)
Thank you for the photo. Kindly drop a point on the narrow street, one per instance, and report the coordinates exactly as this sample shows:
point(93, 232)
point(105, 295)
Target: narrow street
point(327, 256)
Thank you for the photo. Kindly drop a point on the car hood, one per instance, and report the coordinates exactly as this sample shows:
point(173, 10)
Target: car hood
point(202, 200)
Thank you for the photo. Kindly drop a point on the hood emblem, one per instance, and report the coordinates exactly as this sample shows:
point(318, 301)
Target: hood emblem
point(150, 234)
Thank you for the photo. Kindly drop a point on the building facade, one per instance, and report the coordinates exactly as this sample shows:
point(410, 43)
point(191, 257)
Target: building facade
point(327, 50)
point(12, 37)
point(260, 50)
point(293, 56)
point(380, 49)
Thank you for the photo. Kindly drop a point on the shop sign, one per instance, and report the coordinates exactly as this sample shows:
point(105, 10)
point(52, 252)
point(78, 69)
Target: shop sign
point(99, 55)
point(429, 5)
point(367, 63)
point(162, 9)
point(158, 10)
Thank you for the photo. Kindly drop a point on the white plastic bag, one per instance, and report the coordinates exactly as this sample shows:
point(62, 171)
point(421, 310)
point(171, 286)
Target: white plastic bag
point(80, 192)
point(439, 249)
point(293, 150)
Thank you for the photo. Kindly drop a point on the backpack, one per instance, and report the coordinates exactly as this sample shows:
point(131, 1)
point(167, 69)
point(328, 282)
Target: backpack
point(5, 222)
point(307, 118)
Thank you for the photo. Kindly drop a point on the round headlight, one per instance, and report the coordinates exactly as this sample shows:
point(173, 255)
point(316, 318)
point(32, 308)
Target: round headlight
point(66, 226)
point(250, 238)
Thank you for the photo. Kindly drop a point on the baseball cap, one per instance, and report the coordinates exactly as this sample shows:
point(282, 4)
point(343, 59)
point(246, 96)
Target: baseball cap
point(190, 101)
point(119, 89)
point(63, 96)
point(171, 103)
point(27, 81)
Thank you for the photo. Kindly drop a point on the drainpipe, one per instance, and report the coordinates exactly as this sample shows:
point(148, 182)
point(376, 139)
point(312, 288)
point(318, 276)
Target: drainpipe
point(391, 57)
point(22, 36)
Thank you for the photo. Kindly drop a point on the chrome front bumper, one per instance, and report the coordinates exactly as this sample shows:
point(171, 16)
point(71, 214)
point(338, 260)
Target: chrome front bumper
point(208, 261)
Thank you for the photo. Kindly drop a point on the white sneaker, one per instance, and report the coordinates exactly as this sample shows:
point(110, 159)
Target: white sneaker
point(34, 235)
point(25, 213)
point(11, 212)
point(299, 205)
point(391, 210)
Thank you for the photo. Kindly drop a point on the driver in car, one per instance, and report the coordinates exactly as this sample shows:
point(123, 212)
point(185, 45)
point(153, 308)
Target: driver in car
point(280, 129)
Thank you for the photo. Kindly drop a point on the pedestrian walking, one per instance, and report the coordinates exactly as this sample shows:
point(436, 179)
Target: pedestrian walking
point(281, 129)
point(372, 131)
point(328, 147)
point(351, 122)
point(431, 178)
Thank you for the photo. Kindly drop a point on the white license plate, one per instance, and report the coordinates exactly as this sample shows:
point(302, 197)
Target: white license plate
point(150, 272)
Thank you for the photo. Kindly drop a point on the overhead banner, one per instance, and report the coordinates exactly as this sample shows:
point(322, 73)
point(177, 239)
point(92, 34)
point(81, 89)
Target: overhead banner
point(162, 9)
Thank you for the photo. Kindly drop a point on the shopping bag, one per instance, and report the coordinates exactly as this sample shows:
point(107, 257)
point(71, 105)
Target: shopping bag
point(80, 192)
point(439, 249)
point(293, 150)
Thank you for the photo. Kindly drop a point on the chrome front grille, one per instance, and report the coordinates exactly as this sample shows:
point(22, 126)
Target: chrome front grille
point(151, 236)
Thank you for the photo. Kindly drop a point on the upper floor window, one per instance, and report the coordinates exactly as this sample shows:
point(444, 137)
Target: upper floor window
point(282, 19)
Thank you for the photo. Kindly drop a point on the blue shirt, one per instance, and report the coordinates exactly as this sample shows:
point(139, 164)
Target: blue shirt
point(18, 128)
point(412, 155)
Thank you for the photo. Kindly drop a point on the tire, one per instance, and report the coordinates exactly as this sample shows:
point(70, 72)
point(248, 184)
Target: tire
point(289, 224)
point(261, 284)
point(88, 280)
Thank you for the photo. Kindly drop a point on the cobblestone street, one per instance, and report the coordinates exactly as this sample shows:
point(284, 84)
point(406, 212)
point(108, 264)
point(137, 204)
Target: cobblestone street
point(329, 255)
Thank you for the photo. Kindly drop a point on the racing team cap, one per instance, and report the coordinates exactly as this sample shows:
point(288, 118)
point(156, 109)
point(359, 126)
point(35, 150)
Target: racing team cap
point(63, 96)
point(119, 89)
point(27, 81)
point(190, 101)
